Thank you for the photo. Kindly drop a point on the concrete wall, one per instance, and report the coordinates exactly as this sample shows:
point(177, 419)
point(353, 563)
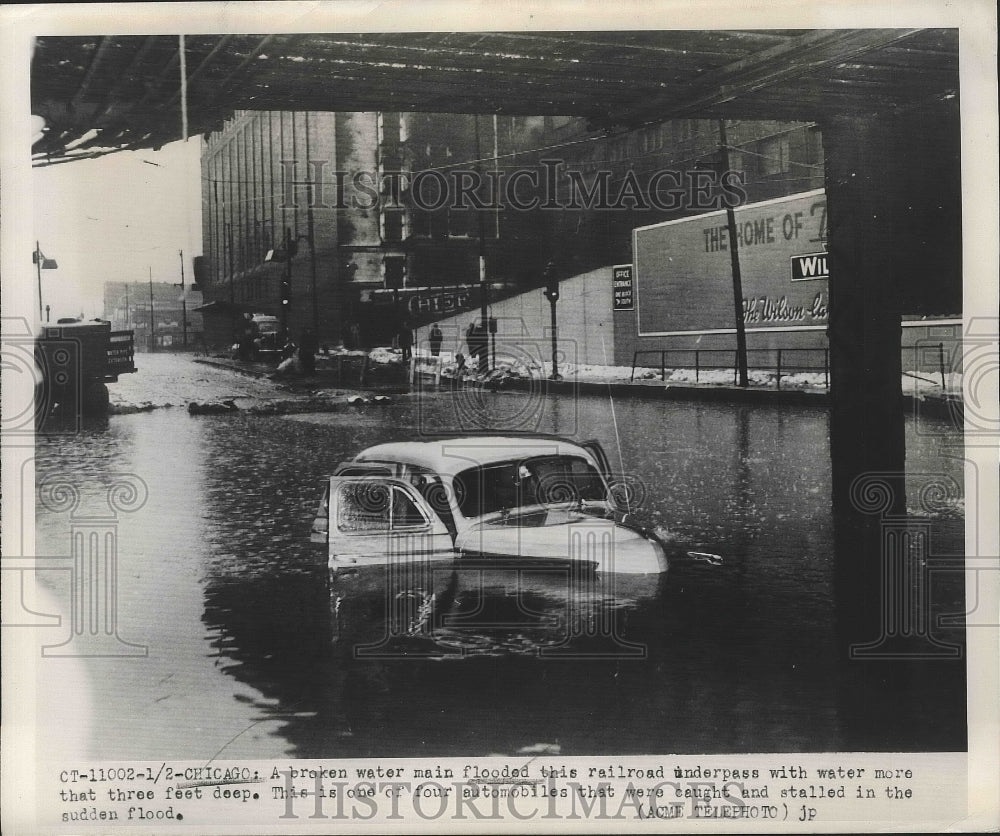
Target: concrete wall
point(585, 325)
point(590, 333)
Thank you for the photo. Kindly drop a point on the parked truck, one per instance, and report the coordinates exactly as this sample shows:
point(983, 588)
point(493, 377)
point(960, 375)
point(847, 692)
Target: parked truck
point(76, 360)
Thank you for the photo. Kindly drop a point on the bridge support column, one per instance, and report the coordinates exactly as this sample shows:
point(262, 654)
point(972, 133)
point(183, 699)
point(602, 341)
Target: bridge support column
point(866, 415)
point(866, 423)
point(894, 238)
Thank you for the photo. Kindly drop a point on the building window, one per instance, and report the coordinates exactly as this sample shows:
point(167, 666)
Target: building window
point(459, 223)
point(394, 268)
point(393, 225)
point(420, 224)
point(775, 153)
point(388, 128)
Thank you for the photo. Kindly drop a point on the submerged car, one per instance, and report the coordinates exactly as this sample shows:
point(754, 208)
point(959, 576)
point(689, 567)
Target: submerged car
point(506, 501)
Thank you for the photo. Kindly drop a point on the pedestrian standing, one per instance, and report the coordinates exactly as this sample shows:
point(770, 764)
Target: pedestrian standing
point(406, 341)
point(352, 338)
point(483, 342)
point(435, 339)
point(474, 338)
point(470, 339)
point(307, 351)
point(245, 337)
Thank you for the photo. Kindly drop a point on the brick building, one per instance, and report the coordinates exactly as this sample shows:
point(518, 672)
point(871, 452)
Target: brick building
point(335, 219)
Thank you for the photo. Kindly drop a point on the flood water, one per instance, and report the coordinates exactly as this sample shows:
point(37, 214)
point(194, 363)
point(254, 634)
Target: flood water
point(218, 580)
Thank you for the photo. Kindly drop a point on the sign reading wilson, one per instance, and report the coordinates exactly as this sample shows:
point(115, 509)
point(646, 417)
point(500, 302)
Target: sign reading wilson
point(683, 270)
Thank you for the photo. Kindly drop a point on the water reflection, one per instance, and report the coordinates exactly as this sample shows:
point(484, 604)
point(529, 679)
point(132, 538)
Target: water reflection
point(237, 607)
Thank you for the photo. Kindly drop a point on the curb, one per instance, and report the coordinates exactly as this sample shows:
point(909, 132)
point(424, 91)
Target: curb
point(931, 406)
point(651, 392)
point(229, 366)
point(946, 407)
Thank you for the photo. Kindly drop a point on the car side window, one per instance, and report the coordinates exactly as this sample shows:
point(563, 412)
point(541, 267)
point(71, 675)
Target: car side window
point(376, 507)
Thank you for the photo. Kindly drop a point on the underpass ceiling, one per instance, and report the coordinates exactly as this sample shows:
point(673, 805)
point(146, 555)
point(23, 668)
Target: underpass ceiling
point(124, 92)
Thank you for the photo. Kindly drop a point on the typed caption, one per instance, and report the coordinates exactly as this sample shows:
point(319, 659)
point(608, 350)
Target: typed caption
point(656, 793)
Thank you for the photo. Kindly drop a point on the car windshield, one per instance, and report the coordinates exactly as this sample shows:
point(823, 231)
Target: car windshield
point(546, 480)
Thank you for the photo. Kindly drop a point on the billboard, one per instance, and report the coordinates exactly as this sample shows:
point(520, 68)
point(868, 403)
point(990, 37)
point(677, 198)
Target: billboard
point(683, 269)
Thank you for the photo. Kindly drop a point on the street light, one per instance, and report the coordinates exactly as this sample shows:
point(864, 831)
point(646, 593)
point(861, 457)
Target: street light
point(41, 263)
point(286, 254)
point(184, 310)
point(552, 294)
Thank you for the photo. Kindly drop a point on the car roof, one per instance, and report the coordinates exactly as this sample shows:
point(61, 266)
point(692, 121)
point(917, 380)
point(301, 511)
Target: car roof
point(453, 455)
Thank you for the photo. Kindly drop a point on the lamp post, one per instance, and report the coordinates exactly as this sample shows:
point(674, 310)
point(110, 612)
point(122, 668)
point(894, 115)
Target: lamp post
point(288, 251)
point(41, 263)
point(184, 310)
point(483, 287)
point(285, 294)
point(184, 305)
point(552, 294)
point(152, 321)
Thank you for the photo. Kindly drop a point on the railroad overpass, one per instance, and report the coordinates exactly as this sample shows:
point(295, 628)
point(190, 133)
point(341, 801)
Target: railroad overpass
point(887, 101)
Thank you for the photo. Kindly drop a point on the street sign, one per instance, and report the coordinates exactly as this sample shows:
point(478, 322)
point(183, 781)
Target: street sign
point(809, 266)
point(622, 288)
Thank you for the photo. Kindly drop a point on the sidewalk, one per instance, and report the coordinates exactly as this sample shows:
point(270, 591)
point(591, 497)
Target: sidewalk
point(385, 374)
point(350, 371)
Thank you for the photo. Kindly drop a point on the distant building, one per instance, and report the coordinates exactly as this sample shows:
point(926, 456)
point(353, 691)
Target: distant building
point(127, 307)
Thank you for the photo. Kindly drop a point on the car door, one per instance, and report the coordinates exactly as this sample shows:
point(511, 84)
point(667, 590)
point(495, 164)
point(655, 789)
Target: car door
point(375, 519)
point(320, 526)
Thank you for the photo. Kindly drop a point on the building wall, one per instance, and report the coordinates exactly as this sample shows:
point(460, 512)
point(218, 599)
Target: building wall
point(585, 327)
point(257, 198)
point(354, 252)
point(356, 240)
point(589, 332)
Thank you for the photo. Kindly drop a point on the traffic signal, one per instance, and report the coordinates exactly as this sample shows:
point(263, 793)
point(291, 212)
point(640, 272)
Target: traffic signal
point(551, 282)
point(286, 290)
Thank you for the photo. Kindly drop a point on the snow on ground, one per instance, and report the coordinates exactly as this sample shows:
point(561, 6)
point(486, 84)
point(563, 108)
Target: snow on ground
point(913, 383)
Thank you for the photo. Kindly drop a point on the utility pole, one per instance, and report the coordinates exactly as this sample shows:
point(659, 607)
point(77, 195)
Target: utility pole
point(285, 291)
point(152, 320)
point(232, 279)
point(184, 307)
point(734, 254)
point(483, 291)
point(496, 174)
point(38, 265)
point(311, 232)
